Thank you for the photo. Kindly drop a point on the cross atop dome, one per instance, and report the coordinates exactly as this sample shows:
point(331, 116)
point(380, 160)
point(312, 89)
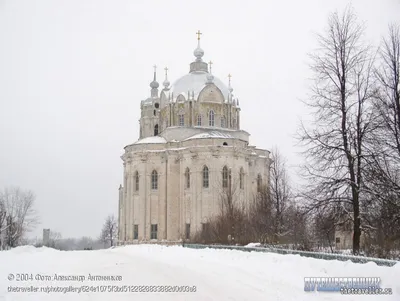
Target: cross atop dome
point(198, 52)
point(198, 35)
point(210, 77)
point(230, 87)
point(154, 84)
point(166, 82)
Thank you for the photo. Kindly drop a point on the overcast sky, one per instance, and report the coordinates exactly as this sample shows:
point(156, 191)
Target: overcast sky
point(73, 73)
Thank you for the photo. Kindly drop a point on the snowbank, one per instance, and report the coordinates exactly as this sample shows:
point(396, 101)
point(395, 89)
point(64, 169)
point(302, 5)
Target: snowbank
point(216, 274)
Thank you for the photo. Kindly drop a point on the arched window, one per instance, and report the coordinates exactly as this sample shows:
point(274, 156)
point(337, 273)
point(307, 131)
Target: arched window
point(156, 130)
point(154, 180)
point(234, 123)
point(211, 118)
point(181, 120)
point(223, 121)
point(206, 181)
point(225, 177)
point(241, 178)
point(199, 120)
point(187, 178)
point(136, 181)
point(259, 183)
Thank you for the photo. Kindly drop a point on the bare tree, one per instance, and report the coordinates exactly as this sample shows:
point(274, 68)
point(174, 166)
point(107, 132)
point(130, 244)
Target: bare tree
point(340, 99)
point(3, 215)
point(298, 226)
point(262, 217)
point(85, 243)
point(110, 230)
point(383, 176)
point(267, 214)
point(230, 224)
point(54, 239)
point(386, 160)
point(324, 228)
point(229, 203)
point(388, 75)
point(280, 192)
point(18, 215)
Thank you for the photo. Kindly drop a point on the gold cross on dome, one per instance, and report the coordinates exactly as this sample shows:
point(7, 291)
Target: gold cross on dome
point(166, 71)
point(155, 68)
point(229, 76)
point(210, 63)
point(198, 34)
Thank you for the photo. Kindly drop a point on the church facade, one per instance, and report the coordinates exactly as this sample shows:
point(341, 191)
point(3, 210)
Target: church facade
point(191, 149)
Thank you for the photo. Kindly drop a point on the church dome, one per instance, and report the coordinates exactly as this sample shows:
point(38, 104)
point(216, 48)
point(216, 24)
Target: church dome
point(154, 84)
point(198, 53)
point(195, 81)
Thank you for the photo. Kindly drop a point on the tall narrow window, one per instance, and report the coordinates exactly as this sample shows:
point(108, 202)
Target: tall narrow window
point(154, 180)
point(156, 130)
point(259, 183)
point(211, 118)
point(153, 232)
point(225, 177)
point(199, 120)
point(204, 230)
point(135, 231)
point(223, 121)
point(181, 120)
point(136, 181)
point(241, 178)
point(234, 123)
point(187, 232)
point(187, 178)
point(205, 177)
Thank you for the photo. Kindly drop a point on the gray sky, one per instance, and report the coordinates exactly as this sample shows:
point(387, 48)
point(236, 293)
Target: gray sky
point(73, 73)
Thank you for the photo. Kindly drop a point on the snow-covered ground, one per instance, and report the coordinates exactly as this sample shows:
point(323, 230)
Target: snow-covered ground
point(216, 274)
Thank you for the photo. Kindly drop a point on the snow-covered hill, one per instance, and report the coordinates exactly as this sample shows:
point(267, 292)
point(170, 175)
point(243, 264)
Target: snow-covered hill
point(214, 274)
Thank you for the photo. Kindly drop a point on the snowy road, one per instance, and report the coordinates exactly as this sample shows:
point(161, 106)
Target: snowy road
point(216, 274)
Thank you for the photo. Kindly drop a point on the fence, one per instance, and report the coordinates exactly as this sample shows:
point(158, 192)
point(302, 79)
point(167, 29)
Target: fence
point(149, 242)
point(318, 255)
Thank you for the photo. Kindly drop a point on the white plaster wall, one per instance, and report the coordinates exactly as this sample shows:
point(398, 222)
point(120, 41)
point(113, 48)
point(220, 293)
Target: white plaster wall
point(171, 206)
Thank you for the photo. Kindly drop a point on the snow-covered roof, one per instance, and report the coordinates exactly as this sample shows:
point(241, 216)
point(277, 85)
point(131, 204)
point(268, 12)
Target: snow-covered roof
point(195, 81)
point(152, 139)
point(212, 134)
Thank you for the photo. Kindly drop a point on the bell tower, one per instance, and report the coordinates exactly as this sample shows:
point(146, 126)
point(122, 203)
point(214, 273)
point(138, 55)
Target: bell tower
point(150, 111)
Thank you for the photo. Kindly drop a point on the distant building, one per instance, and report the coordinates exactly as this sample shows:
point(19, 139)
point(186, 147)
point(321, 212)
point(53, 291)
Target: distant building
point(190, 147)
point(46, 237)
point(344, 236)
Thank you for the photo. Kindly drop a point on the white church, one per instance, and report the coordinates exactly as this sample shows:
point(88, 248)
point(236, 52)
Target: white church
point(191, 147)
